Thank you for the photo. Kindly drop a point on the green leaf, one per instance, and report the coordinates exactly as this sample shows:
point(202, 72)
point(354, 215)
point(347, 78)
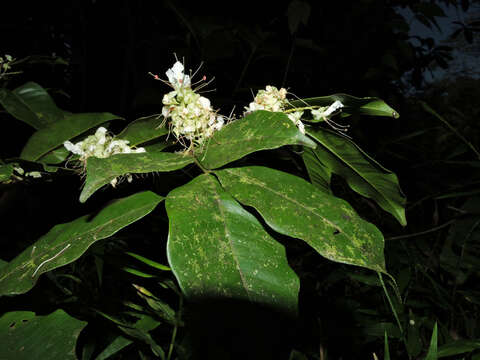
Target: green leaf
point(257, 131)
point(54, 135)
point(143, 129)
point(458, 347)
point(319, 174)
point(217, 249)
point(387, 349)
point(149, 262)
point(55, 156)
point(294, 207)
point(432, 350)
point(102, 171)
point(363, 174)
point(65, 243)
point(31, 104)
point(352, 105)
point(27, 336)
point(117, 345)
point(5, 172)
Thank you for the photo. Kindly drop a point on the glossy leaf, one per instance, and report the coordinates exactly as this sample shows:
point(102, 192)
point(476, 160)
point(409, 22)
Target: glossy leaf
point(352, 105)
point(363, 174)
point(27, 336)
point(294, 207)
point(54, 135)
point(31, 104)
point(143, 129)
point(65, 243)
point(102, 171)
point(319, 174)
point(257, 131)
point(218, 249)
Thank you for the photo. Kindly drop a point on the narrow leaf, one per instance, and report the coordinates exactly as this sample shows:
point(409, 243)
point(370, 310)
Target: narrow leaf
point(27, 336)
point(103, 171)
point(294, 207)
point(432, 350)
point(218, 249)
point(143, 129)
point(149, 262)
point(54, 135)
point(352, 105)
point(257, 131)
point(363, 174)
point(65, 243)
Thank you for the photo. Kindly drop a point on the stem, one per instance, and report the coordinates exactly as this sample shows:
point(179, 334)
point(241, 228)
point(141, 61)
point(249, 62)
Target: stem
point(313, 107)
point(392, 307)
point(422, 232)
point(174, 333)
point(289, 60)
point(455, 131)
point(206, 171)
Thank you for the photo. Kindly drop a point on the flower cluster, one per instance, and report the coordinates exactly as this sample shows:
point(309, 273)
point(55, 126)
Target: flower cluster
point(100, 145)
point(191, 115)
point(272, 99)
point(6, 65)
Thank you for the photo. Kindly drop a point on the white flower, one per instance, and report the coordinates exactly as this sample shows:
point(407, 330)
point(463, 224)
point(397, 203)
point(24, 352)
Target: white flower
point(204, 102)
point(323, 112)
point(34, 174)
point(332, 108)
point(295, 117)
point(176, 77)
point(74, 148)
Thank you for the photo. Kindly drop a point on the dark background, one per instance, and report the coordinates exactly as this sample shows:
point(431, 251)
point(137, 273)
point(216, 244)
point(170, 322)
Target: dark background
point(95, 56)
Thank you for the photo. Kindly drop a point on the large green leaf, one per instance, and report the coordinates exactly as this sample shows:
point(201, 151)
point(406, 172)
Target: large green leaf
point(352, 105)
point(23, 335)
point(143, 129)
point(294, 207)
point(218, 249)
point(54, 135)
point(319, 174)
point(31, 104)
point(65, 243)
point(259, 130)
point(102, 171)
point(363, 174)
